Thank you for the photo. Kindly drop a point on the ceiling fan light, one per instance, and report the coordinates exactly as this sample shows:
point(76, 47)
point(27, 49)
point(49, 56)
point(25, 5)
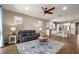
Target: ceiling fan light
point(44, 15)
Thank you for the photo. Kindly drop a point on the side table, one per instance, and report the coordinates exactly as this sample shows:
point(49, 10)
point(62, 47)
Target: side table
point(12, 39)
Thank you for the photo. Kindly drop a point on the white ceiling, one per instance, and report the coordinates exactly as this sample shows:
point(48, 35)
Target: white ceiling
point(35, 9)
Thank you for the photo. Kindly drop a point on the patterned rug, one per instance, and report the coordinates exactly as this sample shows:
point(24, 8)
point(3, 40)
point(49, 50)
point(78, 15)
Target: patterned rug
point(35, 47)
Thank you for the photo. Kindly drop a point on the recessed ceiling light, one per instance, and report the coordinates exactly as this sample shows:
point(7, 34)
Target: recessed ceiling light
point(39, 22)
point(64, 8)
point(27, 8)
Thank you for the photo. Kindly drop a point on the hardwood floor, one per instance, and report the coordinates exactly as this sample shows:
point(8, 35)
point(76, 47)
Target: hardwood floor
point(12, 49)
point(71, 46)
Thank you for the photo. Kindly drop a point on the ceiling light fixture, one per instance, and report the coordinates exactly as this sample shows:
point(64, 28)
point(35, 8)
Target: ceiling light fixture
point(39, 22)
point(44, 15)
point(27, 8)
point(64, 8)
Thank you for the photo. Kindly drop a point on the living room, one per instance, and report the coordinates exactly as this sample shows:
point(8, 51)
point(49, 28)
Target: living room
point(29, 21)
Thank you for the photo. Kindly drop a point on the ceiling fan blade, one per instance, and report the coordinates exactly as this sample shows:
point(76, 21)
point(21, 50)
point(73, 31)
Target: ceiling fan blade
point(51, 9)
point(42, 8)
point(50, 12)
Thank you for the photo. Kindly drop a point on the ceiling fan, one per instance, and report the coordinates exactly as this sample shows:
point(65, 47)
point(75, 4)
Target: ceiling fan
point(47, 11)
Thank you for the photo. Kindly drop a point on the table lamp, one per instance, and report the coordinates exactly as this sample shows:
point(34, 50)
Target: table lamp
point(13, 29)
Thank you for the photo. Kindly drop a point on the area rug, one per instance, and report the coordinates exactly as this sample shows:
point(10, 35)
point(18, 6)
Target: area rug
point(34, 47)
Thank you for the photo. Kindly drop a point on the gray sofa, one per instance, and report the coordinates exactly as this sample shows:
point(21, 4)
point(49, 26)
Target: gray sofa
point(27, 35)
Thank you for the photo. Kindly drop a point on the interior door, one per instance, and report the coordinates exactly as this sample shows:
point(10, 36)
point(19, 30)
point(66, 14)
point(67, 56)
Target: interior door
point(1, 36)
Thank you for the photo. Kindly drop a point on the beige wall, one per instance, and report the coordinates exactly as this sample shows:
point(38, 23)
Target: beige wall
point(28, 23)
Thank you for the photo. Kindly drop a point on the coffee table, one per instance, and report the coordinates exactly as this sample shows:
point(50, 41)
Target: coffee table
point(43, 38)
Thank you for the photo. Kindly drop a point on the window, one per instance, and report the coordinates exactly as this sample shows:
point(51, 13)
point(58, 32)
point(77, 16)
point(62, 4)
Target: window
point(1, 37)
